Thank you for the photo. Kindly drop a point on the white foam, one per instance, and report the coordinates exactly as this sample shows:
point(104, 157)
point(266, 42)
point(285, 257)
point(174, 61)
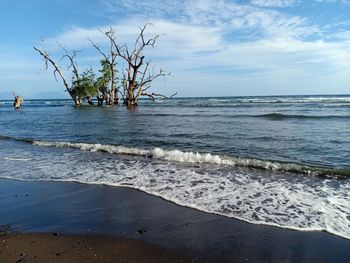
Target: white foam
point(271, 198)
point(315, 99)
point(16, 159)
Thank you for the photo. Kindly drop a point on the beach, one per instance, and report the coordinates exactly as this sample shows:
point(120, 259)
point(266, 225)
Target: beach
point(41, 248)
point(98, 213)
point(234, 179)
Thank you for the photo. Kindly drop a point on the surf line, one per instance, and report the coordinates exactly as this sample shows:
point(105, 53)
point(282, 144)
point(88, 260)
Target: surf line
point(17, 159)
point(196, 157)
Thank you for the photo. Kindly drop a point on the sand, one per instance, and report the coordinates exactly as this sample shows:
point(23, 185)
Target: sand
point(43, 248)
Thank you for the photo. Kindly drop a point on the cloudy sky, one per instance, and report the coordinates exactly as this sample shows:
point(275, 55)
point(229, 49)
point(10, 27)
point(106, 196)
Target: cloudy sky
point(211, 48)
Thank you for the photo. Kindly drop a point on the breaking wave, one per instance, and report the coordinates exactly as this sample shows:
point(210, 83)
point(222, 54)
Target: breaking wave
point(206, 158)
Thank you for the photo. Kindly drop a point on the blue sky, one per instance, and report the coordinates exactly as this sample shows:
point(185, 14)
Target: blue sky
point(212, 48)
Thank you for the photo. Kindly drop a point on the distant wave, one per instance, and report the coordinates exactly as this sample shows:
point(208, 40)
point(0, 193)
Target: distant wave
point(272, 116)
point(280, 116)
point(298, 99)
point(9, 138)
point(214, 102)
point(206, 158)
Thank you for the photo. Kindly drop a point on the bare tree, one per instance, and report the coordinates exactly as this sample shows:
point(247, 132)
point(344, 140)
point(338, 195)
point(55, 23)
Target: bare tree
point(83, 86)
point(138, 76)
point(111, 60)
point(58, 70)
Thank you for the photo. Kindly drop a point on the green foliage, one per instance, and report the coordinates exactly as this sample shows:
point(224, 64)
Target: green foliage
point(85, 85)
point(102, 82)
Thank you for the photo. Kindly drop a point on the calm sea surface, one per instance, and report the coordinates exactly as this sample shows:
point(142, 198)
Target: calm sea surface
point(282, 161)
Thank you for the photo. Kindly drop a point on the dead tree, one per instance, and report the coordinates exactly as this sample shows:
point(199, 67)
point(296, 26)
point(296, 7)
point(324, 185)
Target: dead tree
point(111, 60)
point(58, 70)
point(138, 77)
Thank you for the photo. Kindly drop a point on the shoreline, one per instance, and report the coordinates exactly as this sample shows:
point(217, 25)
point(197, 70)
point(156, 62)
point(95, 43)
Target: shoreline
point(177, 204)
point(84, 209)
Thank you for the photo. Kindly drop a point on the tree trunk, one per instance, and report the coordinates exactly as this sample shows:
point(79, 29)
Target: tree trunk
point(100, 99)
point(89, 100)
point(113, 86)
point(131, 100)
point(116, 97)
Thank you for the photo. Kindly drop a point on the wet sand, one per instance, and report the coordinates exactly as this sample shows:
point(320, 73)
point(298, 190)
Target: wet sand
point(101, 211)
point(43, 248)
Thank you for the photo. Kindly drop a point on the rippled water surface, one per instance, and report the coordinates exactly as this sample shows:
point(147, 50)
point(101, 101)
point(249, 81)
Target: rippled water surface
point(282, 161)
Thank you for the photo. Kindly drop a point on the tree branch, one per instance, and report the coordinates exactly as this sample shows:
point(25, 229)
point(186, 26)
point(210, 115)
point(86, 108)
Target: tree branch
point(57, 69)
point(154, 96)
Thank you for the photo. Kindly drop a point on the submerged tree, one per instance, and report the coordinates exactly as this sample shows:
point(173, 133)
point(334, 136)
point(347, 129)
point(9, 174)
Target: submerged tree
point(138, 76)
point(82, 86)
point(102, 83)
point(58, 70)
point(109, 65)
point(136, 79)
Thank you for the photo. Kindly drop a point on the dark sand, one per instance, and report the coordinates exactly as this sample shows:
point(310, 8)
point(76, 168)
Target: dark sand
point(43, 248)
point(72, 208)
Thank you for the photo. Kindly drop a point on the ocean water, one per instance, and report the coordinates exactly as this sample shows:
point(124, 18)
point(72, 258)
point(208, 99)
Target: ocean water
point(282, 161)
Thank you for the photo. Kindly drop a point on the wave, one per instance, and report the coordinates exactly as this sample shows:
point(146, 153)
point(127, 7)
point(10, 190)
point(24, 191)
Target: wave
point(194, 157)
point(202, 158)
point(272, 116)
point(17, 159)
point(298, 99)
point(9, 138)
point(280, 116)
point(256, 101)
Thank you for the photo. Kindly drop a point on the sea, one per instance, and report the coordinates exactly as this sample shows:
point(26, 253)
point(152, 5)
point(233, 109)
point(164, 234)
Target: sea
point(280, 160)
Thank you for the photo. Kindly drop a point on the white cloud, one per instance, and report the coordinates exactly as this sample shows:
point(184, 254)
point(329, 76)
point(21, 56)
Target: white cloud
point(228, 15)
point(274, 3)
point(150, 8)
point(185, 37)
point(208, 42)
point(187, 49)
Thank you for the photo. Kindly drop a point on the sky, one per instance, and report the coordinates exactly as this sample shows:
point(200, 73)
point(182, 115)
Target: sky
point(211, 48)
